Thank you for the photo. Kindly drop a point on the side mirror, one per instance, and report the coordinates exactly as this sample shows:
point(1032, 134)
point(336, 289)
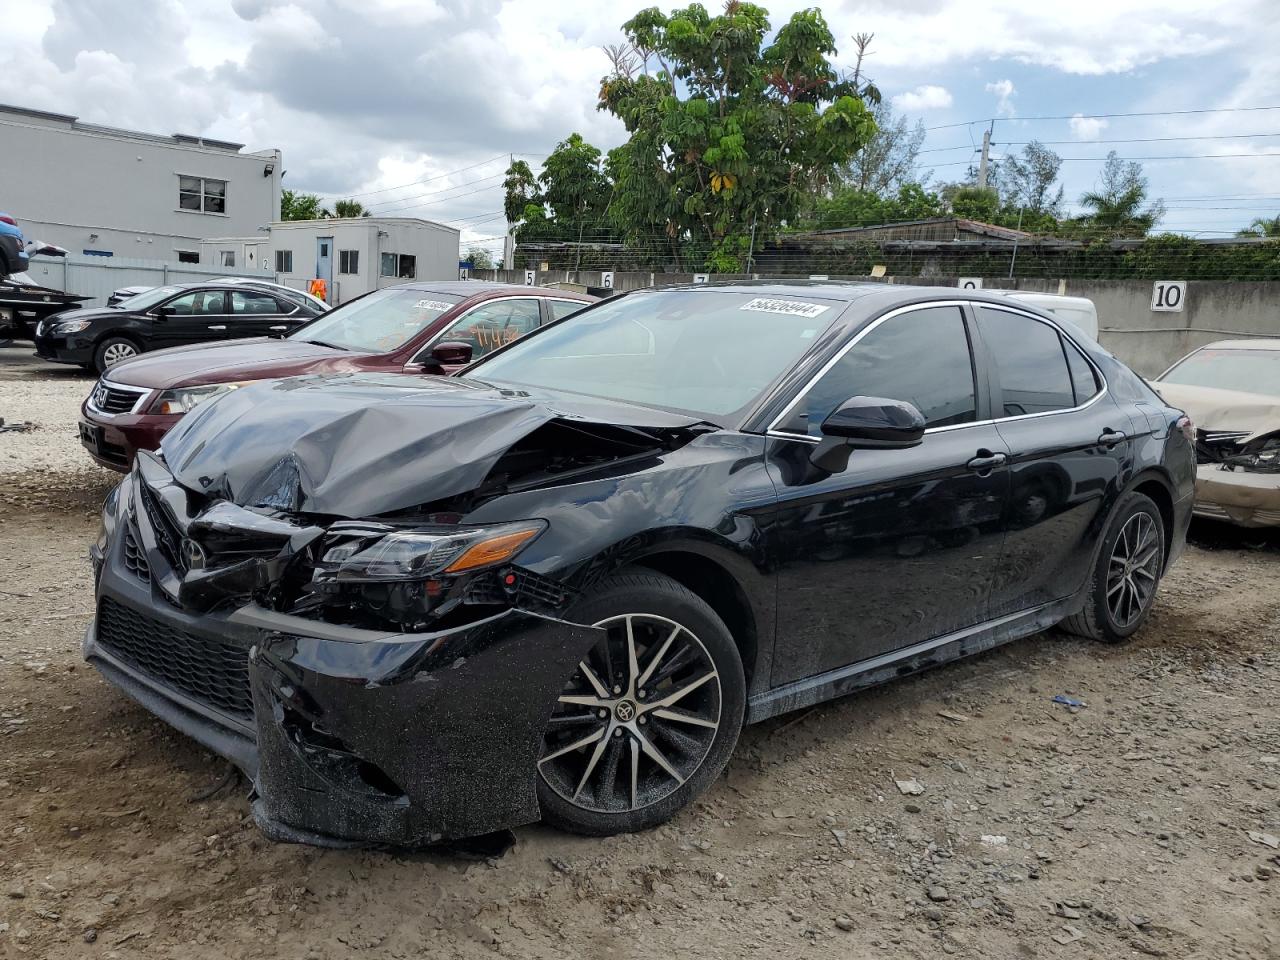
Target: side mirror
point(867, 423)
point(452, 353)
point(163, 312)
point(876, 422)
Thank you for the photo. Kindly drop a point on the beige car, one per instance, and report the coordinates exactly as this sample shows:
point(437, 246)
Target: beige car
point(1231, 390)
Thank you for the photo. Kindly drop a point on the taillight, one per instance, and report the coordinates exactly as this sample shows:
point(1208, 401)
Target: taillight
point(5, 218)
point(1187, 427)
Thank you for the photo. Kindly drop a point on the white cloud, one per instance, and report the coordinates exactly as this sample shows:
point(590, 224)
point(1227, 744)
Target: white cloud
point(927, 96)
point(1087, 128)
point(1004, 91)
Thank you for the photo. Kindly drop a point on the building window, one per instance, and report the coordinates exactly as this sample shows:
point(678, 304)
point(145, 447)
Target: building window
point(401, 265)
point(284, 261)
point(227, 258)
point(348, 261)
point(188, 256)
point(202, 194)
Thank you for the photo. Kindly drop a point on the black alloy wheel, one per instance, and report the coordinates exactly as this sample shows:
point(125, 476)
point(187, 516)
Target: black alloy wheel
point(650, 715)
point(1126, 575)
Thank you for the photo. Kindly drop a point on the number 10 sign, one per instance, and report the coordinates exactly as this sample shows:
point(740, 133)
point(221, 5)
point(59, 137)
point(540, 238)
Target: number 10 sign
point(1168, 296)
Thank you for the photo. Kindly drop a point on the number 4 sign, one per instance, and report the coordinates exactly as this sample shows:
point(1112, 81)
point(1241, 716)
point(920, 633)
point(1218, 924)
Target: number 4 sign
point(1168, 296)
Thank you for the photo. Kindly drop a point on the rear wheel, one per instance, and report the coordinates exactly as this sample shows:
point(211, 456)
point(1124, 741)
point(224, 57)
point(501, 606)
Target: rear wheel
point(650, 716)
point(114, 350)
point(1126, 575)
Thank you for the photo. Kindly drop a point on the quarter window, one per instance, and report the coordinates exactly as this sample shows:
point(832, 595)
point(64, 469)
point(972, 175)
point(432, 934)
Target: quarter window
point(202, 194)
point(1031, 372)
point(921, 357)
point(348, 261)
point(284, 261)
point(562, 308)
point(494, 325)
point(1083, 380)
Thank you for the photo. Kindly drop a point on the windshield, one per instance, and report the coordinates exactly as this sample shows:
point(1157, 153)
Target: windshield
point(1250, 371)
point(706, 352)
point(149, 298)
point(379, 322)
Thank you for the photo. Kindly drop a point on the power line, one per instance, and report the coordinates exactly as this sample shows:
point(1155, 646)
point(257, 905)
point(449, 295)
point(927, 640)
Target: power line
point(414, 183)
point(432, 193)
point(1189, 156)
point(1089, 143)
point(1107, 116)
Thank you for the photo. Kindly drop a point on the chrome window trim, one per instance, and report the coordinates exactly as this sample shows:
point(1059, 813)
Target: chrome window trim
point(773, 430)
point(142, 393)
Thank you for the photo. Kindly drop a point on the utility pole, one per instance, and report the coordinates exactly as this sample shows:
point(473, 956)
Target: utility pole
point(509, 241)
point(986, 155)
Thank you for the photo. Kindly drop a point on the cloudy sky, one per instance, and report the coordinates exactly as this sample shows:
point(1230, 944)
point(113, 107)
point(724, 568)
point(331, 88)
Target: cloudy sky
point(413, 106)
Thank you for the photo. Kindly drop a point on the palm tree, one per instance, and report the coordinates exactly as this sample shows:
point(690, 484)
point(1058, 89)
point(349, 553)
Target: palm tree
point(1262, 227)
point(1116, 207)
point(349, 209)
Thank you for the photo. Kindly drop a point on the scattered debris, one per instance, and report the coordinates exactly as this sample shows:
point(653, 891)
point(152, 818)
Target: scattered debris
point(1266, 839)
point(844, 923)
point(910, 788)
point(1068, 935)
point(953, 717)
point(1068, 701)
point(989, 840)
point(21, 426)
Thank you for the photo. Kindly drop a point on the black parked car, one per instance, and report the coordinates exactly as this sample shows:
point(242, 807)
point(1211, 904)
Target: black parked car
point(557, 584)
point(170, 316)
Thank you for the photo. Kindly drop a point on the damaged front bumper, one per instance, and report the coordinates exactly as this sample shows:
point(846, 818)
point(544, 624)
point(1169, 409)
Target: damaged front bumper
point(350, 736)
point(1245, 498)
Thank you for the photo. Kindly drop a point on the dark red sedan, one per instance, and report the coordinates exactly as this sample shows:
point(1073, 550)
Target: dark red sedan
point(427, 327)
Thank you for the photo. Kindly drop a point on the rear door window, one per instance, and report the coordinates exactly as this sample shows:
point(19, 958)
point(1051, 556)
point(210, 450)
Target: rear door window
point(494, 325)
point(921, 356)
point(1030, 372)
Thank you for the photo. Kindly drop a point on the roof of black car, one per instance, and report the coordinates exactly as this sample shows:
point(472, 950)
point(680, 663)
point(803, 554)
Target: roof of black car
point(882, 295)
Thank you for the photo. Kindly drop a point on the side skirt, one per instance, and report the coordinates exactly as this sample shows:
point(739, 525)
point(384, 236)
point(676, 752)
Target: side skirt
point(913, 659)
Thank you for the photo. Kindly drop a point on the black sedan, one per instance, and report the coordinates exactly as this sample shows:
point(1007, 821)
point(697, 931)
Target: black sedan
point(170, 316)
point(557, 585)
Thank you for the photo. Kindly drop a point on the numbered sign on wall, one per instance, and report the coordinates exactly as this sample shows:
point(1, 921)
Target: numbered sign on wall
point(530, 277)
point(970, 283)
point(606, 279)
point(1168, 296)
point(699, 278)
point(464, 273)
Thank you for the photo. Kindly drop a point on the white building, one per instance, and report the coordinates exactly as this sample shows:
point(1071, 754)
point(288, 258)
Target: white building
point(99, 191)
point(352, 256)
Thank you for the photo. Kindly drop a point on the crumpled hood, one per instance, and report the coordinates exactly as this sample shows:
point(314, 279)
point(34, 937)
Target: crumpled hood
point(1214, 409)
point(360, 445)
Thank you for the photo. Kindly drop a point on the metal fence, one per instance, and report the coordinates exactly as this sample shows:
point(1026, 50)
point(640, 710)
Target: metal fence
point(97, 277)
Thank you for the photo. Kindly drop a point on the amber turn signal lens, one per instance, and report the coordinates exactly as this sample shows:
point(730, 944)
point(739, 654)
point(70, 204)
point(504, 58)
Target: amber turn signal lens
point(488, 552)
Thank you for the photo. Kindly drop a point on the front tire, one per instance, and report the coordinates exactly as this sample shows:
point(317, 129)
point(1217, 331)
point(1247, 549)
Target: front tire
point(1126, 575)
point(114, 350)
point(650, 717)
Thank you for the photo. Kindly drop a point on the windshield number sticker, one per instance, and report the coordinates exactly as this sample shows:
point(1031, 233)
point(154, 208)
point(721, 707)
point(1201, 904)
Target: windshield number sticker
point(438, 305)
point(788, 308)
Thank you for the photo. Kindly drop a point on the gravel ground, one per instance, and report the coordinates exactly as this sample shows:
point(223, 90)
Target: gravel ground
point(44, 465)
point(1140, 824)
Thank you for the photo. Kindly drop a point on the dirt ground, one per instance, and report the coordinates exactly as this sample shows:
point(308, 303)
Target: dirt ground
point(1135, 825)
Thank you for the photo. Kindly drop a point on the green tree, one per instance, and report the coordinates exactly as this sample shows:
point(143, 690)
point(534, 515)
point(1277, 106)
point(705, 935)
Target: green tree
point(575, 188)
point(1118, 207)
point(726, 133)
point(1029, 181)
point(520, 188)
point(479, 258)
point(890, 160)
point(301, 206)
point(349, 210)
point(851, 207)
point(976, 203)
point(1262, 227)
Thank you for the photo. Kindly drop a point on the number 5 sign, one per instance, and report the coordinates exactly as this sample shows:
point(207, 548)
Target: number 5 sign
point(1168, 296)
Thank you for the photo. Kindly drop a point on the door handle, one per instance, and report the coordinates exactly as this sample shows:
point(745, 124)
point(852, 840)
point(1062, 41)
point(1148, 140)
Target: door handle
point(281, 326)
point(986, 461)
point(1110, 438)
point(217, 326)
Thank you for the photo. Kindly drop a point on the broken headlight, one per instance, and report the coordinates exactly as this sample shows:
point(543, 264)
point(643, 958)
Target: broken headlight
point(1264, 458)
point(429, 552)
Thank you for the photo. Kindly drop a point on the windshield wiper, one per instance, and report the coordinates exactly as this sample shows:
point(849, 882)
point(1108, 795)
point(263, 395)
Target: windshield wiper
point(321, 343)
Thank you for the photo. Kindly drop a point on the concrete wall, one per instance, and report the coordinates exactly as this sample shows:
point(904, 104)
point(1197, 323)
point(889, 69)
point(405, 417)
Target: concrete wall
point(1147, 341)
point(97, 277)
point(65, 182)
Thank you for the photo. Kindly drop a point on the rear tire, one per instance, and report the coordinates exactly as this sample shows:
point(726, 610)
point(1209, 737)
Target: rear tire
point(673, 709)
point(114, 350)
point(1126, 574)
